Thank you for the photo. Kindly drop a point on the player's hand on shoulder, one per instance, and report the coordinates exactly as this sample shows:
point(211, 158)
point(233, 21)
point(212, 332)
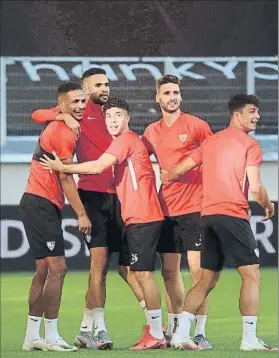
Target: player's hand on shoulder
point(269, 212)
point(73, 124)
point(52, 164)
point(84, 224)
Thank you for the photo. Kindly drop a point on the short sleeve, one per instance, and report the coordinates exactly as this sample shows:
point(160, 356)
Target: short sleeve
point(146, 141)
point(196, 155)
point(65, 144)
point(121, 147)
point(254, 155)
point(203, 131)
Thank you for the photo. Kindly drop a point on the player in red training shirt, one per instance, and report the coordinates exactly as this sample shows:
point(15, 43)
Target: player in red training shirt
point(40, 210)
point(171, 139)
point(140, 208)
point(230, 164)
point(98, 195)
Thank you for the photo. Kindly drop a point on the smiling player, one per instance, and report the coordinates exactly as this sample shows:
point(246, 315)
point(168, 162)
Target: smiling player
point(140, 208)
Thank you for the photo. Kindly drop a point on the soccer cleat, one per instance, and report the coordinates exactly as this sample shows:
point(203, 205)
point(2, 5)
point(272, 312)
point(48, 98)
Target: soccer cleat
point(103, 341)
point(184, 343)
point(85, 340)
point(258, 345)
point(149, 342)
point(168, 339)
point(58, 346)
point(200, 341)
point(146, 329)
point(36, 344)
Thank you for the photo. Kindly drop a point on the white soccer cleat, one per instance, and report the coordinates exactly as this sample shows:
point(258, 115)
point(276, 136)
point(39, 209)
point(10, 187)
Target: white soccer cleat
point(258, 345)
point(179, 342)
point(59, 346)
point(36, 344)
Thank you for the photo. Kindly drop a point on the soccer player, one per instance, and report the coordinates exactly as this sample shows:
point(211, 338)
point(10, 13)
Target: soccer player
point(98, 195)
point(140, 207)
point(171, 139)
point(40, 210)
point(230, 165)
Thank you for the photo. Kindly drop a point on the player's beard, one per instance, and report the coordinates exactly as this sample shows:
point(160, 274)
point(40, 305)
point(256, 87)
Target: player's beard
point(170, 111)
point(99, 100)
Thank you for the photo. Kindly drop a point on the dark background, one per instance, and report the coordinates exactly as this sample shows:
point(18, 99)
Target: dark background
point(139, 28)
point(81, 262)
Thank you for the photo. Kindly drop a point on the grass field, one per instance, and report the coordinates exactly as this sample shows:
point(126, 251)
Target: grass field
point(125, 318)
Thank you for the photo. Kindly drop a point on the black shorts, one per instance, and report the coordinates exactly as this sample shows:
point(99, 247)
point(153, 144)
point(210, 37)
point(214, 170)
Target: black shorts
point(143, 241)
point(180, 234)
point(103, 210)
point(227, 238)
point(42, 222)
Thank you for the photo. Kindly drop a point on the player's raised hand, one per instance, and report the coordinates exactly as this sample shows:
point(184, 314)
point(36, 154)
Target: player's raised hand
point(164, 176)
point(73, 124)
point(269, 212)
point(52, 164)
point(84, 224)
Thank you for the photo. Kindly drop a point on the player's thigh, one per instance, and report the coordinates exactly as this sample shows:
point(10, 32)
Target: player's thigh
point(42, 223)
point(170, 237)
point(143, 240)
point(116, 229)
point(239, 244)
point(97, 206)
point(99, 259)
point(190, 228)
point(212, 255)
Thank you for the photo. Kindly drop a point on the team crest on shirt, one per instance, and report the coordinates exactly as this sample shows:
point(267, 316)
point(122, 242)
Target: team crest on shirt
point(182, 137)
point(51, 245)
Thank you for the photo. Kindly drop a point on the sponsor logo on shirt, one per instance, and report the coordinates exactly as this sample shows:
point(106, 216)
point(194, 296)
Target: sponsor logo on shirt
point(91, 118)
point(182, 137)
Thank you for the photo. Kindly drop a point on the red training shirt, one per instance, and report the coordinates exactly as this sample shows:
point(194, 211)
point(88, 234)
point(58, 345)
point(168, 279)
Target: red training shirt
point(135, 180)
point(224, 157)
point(171, 145)
point(59, 138)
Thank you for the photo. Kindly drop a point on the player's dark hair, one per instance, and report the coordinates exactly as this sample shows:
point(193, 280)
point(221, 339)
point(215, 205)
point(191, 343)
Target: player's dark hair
point(116, 102)
point(68, 86)
point(93, 71)
point(167, 79)
point(239, 101)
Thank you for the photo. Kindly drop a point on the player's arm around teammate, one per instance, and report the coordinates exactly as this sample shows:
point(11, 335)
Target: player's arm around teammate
point(171, 139)
point(231, 161)
point(141, 211)
point(98, 195)
point(40, 210)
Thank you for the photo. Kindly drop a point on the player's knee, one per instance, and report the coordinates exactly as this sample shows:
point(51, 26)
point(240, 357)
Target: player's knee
point(143, 276)
point(41, 271)
point(196, 275)
point(170, 274)
point(209, 281)
point(250, 273)
point(58, 269)
point(98, 274)
point(123, 272)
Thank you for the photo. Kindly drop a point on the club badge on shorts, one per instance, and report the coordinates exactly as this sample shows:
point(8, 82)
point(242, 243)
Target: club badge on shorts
point(182, 137)
point(88, 237)
point(51, 245)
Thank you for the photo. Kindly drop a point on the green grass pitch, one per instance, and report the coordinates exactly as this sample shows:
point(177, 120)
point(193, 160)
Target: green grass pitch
point(125, 318)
